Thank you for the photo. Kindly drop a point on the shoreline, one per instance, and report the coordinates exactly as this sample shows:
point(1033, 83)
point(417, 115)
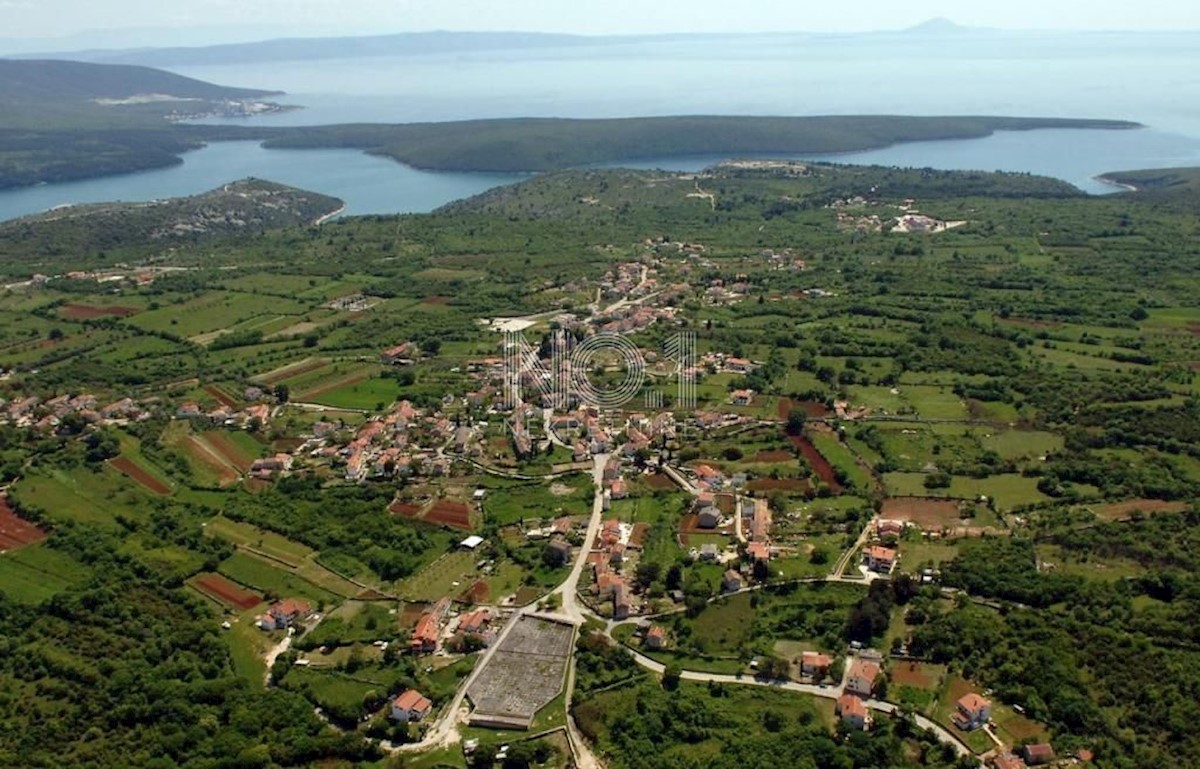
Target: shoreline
point(326, 217)
point(1114, 183)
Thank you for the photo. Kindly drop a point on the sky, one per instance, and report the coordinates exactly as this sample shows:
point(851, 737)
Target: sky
point(122, 23)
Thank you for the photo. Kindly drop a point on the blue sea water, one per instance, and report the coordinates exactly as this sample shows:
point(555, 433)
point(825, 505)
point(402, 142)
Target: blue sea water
point(1153, 79)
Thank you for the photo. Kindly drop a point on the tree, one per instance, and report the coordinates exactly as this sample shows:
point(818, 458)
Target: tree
point(671, 676)
point(795, 421)
point(282, 393)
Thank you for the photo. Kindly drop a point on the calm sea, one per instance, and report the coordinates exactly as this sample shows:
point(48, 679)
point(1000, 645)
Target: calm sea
point(1153, 79)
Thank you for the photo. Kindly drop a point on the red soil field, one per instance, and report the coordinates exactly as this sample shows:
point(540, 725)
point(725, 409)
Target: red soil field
point(926, 512)
point(814, 409)
point(456, 515)
point(778, 455)
point(229, 450)
point(15, 531)
point(637, 537)
point(658, 481)
point(127, 467)
point(228, 592)
point(411, 614)
point(477, 593)
point(910, 674)
point(287, 444)
point(404, 509)
point(435, 300)
point(88, 312)
point(819, 464)
point(221, 396)
point(295, 371)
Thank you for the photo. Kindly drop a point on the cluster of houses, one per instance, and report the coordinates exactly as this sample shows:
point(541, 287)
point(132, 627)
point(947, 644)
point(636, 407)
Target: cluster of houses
point(223, 416)
point(881, 555)
point(609, 559)
point(393, 445)
point(862, 677)
point(48, 416)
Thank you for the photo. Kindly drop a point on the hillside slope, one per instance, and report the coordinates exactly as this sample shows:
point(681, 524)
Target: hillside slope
point(539, 144)
point(240, 208)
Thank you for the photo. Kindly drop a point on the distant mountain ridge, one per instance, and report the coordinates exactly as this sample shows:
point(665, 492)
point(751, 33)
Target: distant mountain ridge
point(46, 80)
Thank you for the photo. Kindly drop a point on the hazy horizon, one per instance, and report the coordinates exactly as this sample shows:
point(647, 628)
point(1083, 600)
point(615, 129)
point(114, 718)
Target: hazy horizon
point(73, 25)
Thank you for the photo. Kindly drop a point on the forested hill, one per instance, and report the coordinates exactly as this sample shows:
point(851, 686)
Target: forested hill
point(41, 81)
point(539, 144)
point(241, 208)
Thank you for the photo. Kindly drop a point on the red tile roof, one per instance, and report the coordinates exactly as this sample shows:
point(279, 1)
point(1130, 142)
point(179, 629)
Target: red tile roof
point(411, 699)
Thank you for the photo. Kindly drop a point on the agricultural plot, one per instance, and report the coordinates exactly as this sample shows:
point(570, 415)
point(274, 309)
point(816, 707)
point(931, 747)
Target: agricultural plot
point(1007, 490)
point(570, 495)
point(448, 575)
point(275, 545)
point(272, 579)
point(15, 531)
point(358, 391)
point(292, 371)
point(225, 592)
point(85, 495)
point(915, 684)
point(820, 465)
point(524, 674)
point(928, 513)
point(214, 311)
point(140, 474)
point(36, 572)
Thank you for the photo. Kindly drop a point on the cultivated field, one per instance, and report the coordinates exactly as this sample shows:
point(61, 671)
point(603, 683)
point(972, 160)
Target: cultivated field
point(226, 592)
point(16, 532)
point(128, 467)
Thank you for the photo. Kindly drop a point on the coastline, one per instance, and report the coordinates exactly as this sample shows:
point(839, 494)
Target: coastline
point(1114, 183)
point(326, 217)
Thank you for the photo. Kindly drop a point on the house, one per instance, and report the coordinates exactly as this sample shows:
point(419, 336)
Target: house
point(1007, 760)
point(411, 706)
point(401, 353)
point(815, 664)
point(740, 365)
point(709, 517)
point(616, 555)
point(656, 637)
point(759, 552)
point(973, 711)
point(862, 676)
point(731, 582)
point(425, 635)
point(559, 552)
point(619, 489)
point(475, 622)
point(284, 614)
point(1038, 753)
point(887, 528)
point(708, 552)
point(881, 559)
point(741, 397)
point(621, 601)
point(853, 712)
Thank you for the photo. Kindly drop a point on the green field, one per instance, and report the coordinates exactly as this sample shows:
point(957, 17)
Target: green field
point(273, 579)
point(37, 572)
